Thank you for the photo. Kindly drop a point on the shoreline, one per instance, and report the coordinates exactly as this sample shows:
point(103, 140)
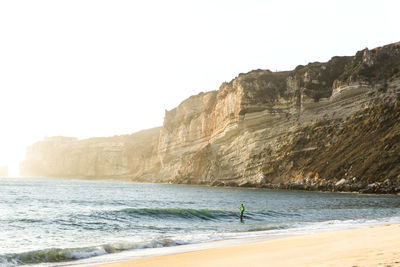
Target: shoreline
point(368, 246)
point(278, 187)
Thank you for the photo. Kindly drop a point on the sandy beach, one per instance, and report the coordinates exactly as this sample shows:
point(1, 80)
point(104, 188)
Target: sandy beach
point(372, 246)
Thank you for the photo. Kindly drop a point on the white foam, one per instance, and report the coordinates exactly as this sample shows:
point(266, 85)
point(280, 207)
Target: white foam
point(87, 254)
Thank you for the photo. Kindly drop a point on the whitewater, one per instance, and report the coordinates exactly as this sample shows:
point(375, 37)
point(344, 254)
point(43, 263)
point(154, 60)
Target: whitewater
point(62, 222)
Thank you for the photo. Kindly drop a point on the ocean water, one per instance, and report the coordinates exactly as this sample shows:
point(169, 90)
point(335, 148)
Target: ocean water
point(49, 222)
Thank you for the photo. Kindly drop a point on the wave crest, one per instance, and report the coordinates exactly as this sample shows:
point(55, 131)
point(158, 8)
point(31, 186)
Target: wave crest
point(202, 214)
point(69, 254)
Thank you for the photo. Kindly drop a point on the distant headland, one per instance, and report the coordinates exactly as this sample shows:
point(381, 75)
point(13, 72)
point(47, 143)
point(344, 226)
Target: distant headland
point(3, 171)
point(331, 126)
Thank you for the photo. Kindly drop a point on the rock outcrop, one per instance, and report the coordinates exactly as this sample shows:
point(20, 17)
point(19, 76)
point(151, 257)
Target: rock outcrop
point(323, 126)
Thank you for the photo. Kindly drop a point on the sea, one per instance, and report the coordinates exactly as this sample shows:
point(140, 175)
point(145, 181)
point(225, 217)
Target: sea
point(64, 222)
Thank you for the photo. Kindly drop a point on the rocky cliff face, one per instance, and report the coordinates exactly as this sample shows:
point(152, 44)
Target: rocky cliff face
point(121, 157)
point(330, 126)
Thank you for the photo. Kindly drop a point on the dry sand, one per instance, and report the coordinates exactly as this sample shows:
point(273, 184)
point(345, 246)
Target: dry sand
point(373, 246)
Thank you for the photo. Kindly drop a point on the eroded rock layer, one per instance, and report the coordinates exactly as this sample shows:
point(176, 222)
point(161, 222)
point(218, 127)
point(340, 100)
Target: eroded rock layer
point(323, 126)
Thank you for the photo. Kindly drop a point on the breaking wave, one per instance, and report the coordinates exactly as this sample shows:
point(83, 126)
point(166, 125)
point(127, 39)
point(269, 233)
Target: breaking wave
point(54, 255)
point(199, 214)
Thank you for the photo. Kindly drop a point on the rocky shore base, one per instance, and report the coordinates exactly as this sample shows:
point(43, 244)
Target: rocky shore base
point(386, 187)
point(343, 185)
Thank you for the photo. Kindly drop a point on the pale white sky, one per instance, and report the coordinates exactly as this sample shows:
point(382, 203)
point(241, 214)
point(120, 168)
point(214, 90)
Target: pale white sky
point(89, 68)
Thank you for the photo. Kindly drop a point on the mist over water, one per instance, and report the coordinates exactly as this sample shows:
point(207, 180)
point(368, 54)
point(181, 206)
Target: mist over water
point(57, 220)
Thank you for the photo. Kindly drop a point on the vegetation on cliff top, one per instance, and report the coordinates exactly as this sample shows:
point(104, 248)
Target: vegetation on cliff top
point(376, 65)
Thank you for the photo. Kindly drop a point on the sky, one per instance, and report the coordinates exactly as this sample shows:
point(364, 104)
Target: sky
point(88, 68)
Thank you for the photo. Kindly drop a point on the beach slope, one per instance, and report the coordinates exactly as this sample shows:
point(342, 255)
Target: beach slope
point(373, 246)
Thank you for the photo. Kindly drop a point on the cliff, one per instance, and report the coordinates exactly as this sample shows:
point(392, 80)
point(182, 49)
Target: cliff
point(119, 157)
point(323, 126)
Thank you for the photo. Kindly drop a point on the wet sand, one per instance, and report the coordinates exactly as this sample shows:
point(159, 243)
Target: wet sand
point(373, 246)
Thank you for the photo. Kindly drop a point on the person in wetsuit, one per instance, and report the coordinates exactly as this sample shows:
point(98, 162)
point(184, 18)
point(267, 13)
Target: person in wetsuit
point(241, 211)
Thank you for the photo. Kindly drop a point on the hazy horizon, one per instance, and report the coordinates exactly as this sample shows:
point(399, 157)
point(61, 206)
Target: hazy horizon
point(103, 68)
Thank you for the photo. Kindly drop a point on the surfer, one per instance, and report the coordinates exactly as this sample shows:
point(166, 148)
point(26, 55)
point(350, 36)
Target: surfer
point(241, 211)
